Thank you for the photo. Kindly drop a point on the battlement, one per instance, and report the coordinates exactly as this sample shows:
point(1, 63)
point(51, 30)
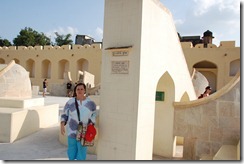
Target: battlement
point(64, 47)
point(223, 44)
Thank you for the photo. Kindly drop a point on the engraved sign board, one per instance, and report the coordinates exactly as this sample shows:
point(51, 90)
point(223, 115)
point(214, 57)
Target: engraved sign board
point(120, 53)
point(120, 67)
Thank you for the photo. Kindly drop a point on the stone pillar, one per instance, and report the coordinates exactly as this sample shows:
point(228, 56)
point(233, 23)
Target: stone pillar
point(140, 44)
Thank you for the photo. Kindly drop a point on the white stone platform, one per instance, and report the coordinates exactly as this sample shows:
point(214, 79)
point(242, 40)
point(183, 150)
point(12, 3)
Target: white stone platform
point(21, 102)
point(22, 117)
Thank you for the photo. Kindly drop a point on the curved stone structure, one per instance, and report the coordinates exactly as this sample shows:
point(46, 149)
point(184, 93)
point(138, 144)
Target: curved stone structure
point(14, 81)
point(209, 123)
point(199, 82)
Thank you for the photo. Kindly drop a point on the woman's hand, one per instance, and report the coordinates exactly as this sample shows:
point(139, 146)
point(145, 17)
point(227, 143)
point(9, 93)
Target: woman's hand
point(62, 128)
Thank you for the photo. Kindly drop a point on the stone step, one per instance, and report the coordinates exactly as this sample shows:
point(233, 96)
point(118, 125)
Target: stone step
point(226, 152)
point(206, 157)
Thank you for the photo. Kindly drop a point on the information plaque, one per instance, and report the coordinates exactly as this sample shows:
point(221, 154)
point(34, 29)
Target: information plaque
point(120, 53)
point(120, 67)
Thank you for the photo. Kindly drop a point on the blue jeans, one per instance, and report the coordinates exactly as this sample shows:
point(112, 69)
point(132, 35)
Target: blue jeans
point(75, 150)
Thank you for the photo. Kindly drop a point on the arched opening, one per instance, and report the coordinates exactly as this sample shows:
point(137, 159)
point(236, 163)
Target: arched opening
point(82, 65)
point(199, 82)
point(16, 60)
point(234, 67)
point(2, 61)
point(205, 64)
point(63, 68)
point(46, 69)
point(209, 70)
point(30, 67)
point(212, 79)
point(163, 141)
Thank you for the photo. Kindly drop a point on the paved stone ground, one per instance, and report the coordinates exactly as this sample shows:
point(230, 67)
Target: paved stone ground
point(44, 144)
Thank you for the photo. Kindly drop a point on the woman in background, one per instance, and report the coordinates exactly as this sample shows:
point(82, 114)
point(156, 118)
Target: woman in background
point(206, 93)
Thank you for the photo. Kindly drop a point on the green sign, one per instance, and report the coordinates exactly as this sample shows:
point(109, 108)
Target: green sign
point(159, 96)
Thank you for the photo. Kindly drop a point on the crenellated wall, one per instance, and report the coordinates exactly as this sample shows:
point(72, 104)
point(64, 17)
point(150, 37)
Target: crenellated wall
point(218, 64)
point(64, 47)
point(55, 63)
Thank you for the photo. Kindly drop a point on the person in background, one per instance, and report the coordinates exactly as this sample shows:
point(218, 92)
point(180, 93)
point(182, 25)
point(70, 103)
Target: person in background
point(76, 83)
point(206, 93)
point(69, 89)
point(44, 86)
point(69, 120)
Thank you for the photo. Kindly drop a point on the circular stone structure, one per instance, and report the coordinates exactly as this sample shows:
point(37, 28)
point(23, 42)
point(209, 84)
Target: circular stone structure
point(14, 81)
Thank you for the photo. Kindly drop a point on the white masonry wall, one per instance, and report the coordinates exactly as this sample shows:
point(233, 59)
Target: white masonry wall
point(140, 44)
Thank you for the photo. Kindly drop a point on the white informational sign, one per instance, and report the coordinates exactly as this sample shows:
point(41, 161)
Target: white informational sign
point(120, 67)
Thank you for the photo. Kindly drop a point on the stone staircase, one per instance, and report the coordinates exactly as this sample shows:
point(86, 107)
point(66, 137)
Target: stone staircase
point(226, 152)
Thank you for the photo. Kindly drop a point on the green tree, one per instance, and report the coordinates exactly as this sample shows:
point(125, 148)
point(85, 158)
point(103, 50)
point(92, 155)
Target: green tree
point(4, 42)
point(30, 37)
point(63, 39)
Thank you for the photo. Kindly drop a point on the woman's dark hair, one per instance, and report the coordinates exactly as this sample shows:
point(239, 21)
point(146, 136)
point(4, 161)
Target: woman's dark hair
point(208, 87)
point(74, 93)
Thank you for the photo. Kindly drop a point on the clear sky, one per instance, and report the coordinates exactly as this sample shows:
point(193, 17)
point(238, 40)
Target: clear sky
point(85, 17)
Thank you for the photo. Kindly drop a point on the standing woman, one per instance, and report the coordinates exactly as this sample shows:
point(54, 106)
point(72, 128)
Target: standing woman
point(44, 86)
point(87, 110)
